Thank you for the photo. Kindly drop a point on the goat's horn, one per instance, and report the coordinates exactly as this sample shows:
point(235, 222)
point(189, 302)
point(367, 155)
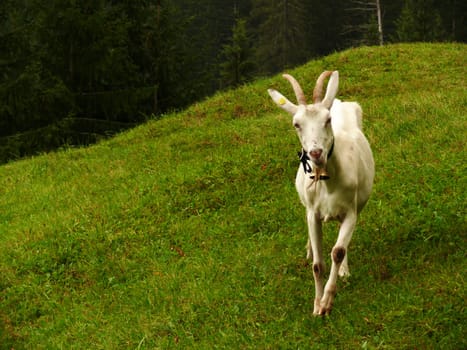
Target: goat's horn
point(296, 88)
point(318, 91)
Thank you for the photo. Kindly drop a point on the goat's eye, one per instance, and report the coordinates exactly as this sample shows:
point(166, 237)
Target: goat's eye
point(328, 121)
point(296, 125)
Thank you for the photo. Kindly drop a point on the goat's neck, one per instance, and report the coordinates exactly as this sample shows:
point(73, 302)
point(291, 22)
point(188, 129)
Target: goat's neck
point(333, 169)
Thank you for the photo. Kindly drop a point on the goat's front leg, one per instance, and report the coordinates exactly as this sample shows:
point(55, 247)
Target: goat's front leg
point(338, 255)
point(315, 250)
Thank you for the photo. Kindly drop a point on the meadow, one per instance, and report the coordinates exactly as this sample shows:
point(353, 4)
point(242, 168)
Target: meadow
point(187, 232)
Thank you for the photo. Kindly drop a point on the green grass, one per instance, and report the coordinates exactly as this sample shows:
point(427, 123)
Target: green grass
point(186, 232)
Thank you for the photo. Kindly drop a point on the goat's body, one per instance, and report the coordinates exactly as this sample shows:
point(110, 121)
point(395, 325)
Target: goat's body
point(341, 197)
point(350, 168)
point(332, 139)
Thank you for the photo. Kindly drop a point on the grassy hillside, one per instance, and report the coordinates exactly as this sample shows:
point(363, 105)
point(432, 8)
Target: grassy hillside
point(187, 232)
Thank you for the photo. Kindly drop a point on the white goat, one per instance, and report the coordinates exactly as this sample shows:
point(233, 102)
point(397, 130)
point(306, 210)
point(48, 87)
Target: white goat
point(335, 178)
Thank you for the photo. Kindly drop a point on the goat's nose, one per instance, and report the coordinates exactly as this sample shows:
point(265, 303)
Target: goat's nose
point(316, 153)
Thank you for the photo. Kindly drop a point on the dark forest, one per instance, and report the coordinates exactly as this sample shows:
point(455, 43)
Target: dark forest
point(73, 72)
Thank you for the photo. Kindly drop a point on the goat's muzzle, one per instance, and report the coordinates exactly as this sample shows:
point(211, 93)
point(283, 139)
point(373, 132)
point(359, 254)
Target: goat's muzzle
point(316, 154)
point(318, 172)
point(317, 158)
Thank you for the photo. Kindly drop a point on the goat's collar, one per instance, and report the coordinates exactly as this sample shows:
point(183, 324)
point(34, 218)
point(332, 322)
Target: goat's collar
point(307, 168)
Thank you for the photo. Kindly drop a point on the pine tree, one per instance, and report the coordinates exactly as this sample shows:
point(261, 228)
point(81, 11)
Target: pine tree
point(237, 66)
point(363, 23)
point(281, 35)
point(419, 21)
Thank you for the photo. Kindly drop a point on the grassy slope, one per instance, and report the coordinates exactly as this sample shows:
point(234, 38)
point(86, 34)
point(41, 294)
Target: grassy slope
point(187, 231)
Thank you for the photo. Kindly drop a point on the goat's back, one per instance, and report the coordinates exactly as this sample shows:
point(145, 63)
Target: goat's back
point(346, 116)
point(352, 144)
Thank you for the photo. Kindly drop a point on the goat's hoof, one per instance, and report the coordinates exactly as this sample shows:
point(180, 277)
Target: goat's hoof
point(324, 311)
point(321, 312)
point(325, 306)
point(344, 271)
point(317, 307)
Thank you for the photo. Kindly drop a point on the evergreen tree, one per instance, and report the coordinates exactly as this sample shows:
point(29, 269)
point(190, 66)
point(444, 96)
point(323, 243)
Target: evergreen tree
point(281, 35)
point(99, 60)
point(326, 25)
point(363, 25)
point(419, 21)
point(453, 14)
point(238, 66)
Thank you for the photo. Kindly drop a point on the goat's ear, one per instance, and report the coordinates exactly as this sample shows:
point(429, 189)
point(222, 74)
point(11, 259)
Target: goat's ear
point(282, 102)
point(331, 90)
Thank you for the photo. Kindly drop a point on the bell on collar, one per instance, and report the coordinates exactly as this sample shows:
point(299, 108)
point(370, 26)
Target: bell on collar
point(319, 174)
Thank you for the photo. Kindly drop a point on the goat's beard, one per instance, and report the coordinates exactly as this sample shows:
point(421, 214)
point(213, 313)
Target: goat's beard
point(319, 163)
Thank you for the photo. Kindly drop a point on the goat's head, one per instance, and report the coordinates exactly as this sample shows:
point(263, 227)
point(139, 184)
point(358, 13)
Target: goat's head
point(312, 121)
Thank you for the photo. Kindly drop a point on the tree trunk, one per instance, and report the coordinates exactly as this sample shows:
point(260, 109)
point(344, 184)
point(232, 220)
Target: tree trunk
point(380, 22)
